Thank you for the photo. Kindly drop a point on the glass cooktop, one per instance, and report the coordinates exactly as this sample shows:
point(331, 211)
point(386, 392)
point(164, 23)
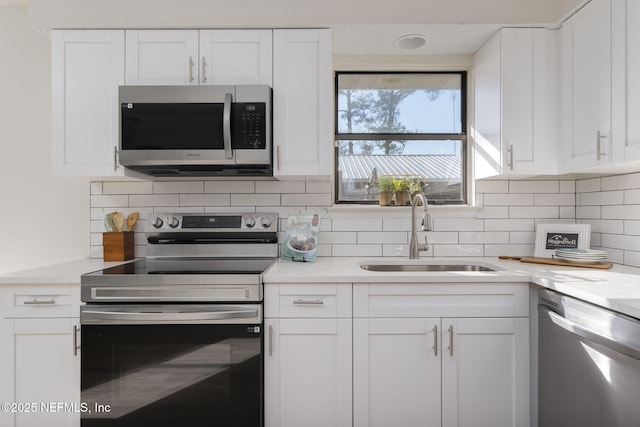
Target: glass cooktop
point(234, 266)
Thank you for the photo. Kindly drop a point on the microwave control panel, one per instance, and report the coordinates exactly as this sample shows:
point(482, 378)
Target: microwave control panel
point(249, 125)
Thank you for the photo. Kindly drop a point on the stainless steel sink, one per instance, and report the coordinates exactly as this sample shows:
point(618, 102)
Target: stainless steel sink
point(425, 267)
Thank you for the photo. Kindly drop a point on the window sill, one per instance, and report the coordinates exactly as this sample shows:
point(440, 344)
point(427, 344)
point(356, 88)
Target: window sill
point(375, 211)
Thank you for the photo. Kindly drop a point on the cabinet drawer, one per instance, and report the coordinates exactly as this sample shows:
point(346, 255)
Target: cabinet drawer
point(46, 301)
point(440, 300)
point(308, 300)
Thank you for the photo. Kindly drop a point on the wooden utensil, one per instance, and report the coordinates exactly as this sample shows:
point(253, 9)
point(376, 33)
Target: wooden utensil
point(553, 261)
point(118, 220)
point(132, 218)
point(109, 223)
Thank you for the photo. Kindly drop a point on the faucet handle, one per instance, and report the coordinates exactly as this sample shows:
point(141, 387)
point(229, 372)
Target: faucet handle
point(427, 224)
point(424, 247)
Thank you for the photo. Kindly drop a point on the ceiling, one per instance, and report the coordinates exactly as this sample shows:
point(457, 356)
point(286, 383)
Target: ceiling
point(360, 27)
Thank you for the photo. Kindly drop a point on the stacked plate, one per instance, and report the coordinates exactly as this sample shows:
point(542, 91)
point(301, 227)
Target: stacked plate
point(581, 256)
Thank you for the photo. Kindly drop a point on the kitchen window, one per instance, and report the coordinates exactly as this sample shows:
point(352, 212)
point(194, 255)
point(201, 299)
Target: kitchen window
point(400, 124)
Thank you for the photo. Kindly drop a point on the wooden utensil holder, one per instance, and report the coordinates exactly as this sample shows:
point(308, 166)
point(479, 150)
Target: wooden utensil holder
point(118, 245)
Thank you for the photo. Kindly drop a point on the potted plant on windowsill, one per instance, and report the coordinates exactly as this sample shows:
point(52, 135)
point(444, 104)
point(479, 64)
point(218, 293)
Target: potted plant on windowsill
point(401, 188)
point(385, 185)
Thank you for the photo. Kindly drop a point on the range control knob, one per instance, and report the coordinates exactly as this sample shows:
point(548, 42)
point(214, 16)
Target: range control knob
point(174, 222)
point(157, 223)
point(249, 221)
point(265, 221)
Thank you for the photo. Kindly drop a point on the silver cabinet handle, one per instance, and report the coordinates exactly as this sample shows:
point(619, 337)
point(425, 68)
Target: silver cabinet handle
point(226, 126)
point(40, 302)
point(75, 340)
point(270, 340)
point(115, 159)
point(450, 340)
point(278, 157)
point(599, 138)
point(204, 70)
point(308, 302)
point(190, 69)
point(510, 151)
point(435, 340)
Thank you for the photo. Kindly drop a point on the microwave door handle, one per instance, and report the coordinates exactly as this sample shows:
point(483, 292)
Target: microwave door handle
point(226, 126)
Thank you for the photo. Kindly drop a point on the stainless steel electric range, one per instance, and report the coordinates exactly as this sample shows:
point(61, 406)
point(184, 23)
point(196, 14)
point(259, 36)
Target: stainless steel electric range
point(177, 338)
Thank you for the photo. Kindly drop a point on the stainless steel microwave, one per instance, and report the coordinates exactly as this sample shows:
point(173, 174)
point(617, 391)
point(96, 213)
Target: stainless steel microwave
point(173, 131)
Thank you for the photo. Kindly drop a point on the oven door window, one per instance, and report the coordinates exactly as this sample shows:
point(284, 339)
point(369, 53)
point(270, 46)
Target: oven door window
point(172, 375)
point(172, 126)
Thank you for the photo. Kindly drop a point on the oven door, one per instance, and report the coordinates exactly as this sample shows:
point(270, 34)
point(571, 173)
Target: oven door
point(171, 365)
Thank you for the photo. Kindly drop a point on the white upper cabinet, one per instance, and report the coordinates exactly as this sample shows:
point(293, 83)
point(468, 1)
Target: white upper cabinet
point(162, 57)
point(198, 57)
point(302, 94)
point(585, 96)
point(515, 103)
point(626, 85)
point(232, 57)
point(87, 68)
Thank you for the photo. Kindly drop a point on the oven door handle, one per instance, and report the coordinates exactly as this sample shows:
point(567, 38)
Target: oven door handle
point(141, 316)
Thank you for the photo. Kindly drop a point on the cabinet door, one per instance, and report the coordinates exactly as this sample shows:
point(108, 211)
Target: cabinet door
point(162, 57)
point(308, 372)
point(485, 372)
point(396, 372)
point(626, 85)
point(233, 57)
point(586, 88)
point(87, 68)
point(47, 370)
point(6, 369)
point(302, 93)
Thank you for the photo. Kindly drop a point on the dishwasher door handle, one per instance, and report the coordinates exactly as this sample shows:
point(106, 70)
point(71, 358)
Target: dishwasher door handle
point(586, 333)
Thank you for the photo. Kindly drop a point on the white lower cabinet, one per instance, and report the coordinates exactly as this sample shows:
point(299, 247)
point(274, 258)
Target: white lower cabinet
point(308, 342)
point(396, 372)
point(416, 366)
point(47, 372)
point(40, 359)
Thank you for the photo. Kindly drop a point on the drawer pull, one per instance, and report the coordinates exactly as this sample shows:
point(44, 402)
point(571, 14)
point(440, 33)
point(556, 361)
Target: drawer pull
point(40, 302)
point(435, 340)
point(75, 340)
point(308, 302)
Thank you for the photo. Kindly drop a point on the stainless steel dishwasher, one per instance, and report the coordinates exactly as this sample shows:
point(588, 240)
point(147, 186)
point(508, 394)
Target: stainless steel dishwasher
point(589, 365)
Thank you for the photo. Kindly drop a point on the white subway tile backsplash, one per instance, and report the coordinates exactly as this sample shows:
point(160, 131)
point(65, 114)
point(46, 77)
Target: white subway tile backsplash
point(534, 212)
point(621, 212)
point(458, 250)
point(534, 186)
point(632, 197)
point(487, 237)
point(373, 237)
point(357, 224)
point(280, 187)
point(508, 199)
point(558, 199)
point(458, 224)
point(504, 223)
point(141, 200)
point(509, 224)
point(588, 185)
point(205, 199)
point(180, 187)
point(568, 187)
point(230, 187)
point(600, 198)
point(255, 199)
point(127, 187)
point(492, 187)
point(621, 182)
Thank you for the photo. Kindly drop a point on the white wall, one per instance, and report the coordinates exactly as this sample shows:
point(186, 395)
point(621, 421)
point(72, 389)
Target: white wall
point(43, 219)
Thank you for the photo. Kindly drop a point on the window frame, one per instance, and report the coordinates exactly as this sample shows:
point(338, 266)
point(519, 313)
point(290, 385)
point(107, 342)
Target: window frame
point(463, 136)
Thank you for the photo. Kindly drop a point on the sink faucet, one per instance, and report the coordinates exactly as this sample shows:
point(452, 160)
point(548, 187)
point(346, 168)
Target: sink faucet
point(414, 246)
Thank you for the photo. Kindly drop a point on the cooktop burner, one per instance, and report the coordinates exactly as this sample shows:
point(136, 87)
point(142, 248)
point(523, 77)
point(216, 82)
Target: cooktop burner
point(189, 266)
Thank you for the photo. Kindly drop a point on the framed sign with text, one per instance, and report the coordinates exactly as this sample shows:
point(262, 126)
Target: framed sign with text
point(550, 237)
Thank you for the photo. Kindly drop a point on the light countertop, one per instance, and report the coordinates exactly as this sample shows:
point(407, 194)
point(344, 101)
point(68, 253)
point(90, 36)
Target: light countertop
point(66, 272)
point(617, 288)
